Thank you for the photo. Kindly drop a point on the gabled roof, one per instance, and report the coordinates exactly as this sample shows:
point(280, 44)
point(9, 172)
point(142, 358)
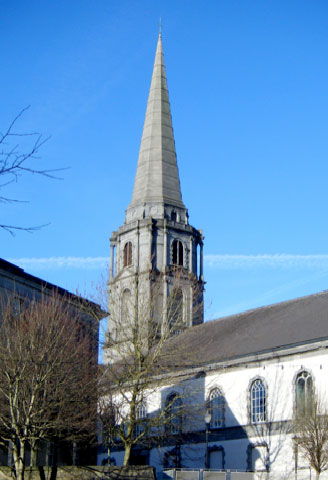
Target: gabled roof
point(264, 329)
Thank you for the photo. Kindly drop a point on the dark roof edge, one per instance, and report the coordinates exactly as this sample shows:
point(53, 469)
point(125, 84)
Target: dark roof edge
point(267, 307)
point(291, 349)
point(44, 285)
point(273, 351)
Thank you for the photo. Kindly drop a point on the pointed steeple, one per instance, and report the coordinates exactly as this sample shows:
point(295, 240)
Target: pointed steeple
point(156, 250)
point(157, 178)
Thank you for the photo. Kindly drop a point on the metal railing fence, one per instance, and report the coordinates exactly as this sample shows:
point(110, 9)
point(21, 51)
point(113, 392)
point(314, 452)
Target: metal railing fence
point(200, 474)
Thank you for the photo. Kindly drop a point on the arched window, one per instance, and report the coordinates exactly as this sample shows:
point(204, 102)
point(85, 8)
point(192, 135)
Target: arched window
point(127, 254)
point(172, 457)
point(173, 417)
point(217, 407)
point(258, 457)
point(216, 457)
point(141, 415)
point(177, 252)
point(175, 311)
point(304, 392)
point(258, 401)
point(126, 306)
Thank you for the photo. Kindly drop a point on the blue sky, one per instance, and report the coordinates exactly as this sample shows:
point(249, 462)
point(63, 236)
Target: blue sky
point(248, 90)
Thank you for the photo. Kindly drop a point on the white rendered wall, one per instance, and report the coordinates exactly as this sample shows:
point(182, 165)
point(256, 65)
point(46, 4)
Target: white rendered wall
point(279, 375)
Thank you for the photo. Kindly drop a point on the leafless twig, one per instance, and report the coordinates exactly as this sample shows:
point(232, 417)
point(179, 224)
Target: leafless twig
point(15, 161)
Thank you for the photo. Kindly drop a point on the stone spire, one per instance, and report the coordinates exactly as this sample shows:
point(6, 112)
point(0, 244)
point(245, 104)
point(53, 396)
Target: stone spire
point(157, 178)
point(156, 250)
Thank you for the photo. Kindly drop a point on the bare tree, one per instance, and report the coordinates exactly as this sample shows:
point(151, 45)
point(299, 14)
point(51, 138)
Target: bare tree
point(140, 364)
point(108, 420)
point(271, 433)
point(311, 434)
point(48, 374)
point(17, 151)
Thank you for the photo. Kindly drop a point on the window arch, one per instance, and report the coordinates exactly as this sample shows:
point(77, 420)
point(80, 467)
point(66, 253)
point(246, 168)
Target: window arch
point(141, 415)
point(258, 457)
point(217, 408)
point(258, 400)
point(173, 418)
point(141, 411)
point(172, 457)
point(304, 392)
point(177, 253)
point(125, 305)
point(175, 311)
point(216, 455)
point(127, 254)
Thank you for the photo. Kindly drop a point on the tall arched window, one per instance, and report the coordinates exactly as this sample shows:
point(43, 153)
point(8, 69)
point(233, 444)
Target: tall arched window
point(175, 311)
point(216, 457)
point(126, 306)
point(173, 417)
point(141, 415)
point(258, 401)
point(177, 252)
point(127, 254)
point(217, 407)
point(304, 392)
point(258, 457)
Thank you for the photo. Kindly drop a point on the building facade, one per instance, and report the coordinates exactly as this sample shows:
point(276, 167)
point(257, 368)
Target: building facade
point(21, 288)
point(252, 373)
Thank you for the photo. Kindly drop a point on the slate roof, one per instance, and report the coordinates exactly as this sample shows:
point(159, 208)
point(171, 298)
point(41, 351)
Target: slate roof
point(276, 326)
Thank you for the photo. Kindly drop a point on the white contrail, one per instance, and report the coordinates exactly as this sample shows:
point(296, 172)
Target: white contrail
point(49, 263)
point(278, 260)
point(218, 262)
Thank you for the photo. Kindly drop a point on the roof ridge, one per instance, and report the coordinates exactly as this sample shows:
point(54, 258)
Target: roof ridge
point(266, 307)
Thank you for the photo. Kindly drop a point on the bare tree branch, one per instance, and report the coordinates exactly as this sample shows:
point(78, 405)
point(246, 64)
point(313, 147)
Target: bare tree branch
point(139, 362)
point(12, 229)
point(48, 374)
point(15, 162)
point(311, 434)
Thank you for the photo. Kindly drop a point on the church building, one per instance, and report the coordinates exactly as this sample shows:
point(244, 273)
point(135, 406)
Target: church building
point(250, 375)
point(156, 243)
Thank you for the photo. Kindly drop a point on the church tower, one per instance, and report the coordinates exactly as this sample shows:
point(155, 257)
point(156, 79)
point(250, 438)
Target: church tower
point(156, 246)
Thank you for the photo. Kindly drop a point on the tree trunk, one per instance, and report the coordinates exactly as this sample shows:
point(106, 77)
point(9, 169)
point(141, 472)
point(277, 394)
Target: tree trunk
point(74, 453)
point(127, 455)
point(53, 474)
point(19, 454)
point(34, 452)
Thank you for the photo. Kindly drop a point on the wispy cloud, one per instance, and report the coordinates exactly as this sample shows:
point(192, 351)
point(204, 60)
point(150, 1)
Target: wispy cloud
point(276, 294)
point(218, 262)
point(50, 263)
point(278, 261)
